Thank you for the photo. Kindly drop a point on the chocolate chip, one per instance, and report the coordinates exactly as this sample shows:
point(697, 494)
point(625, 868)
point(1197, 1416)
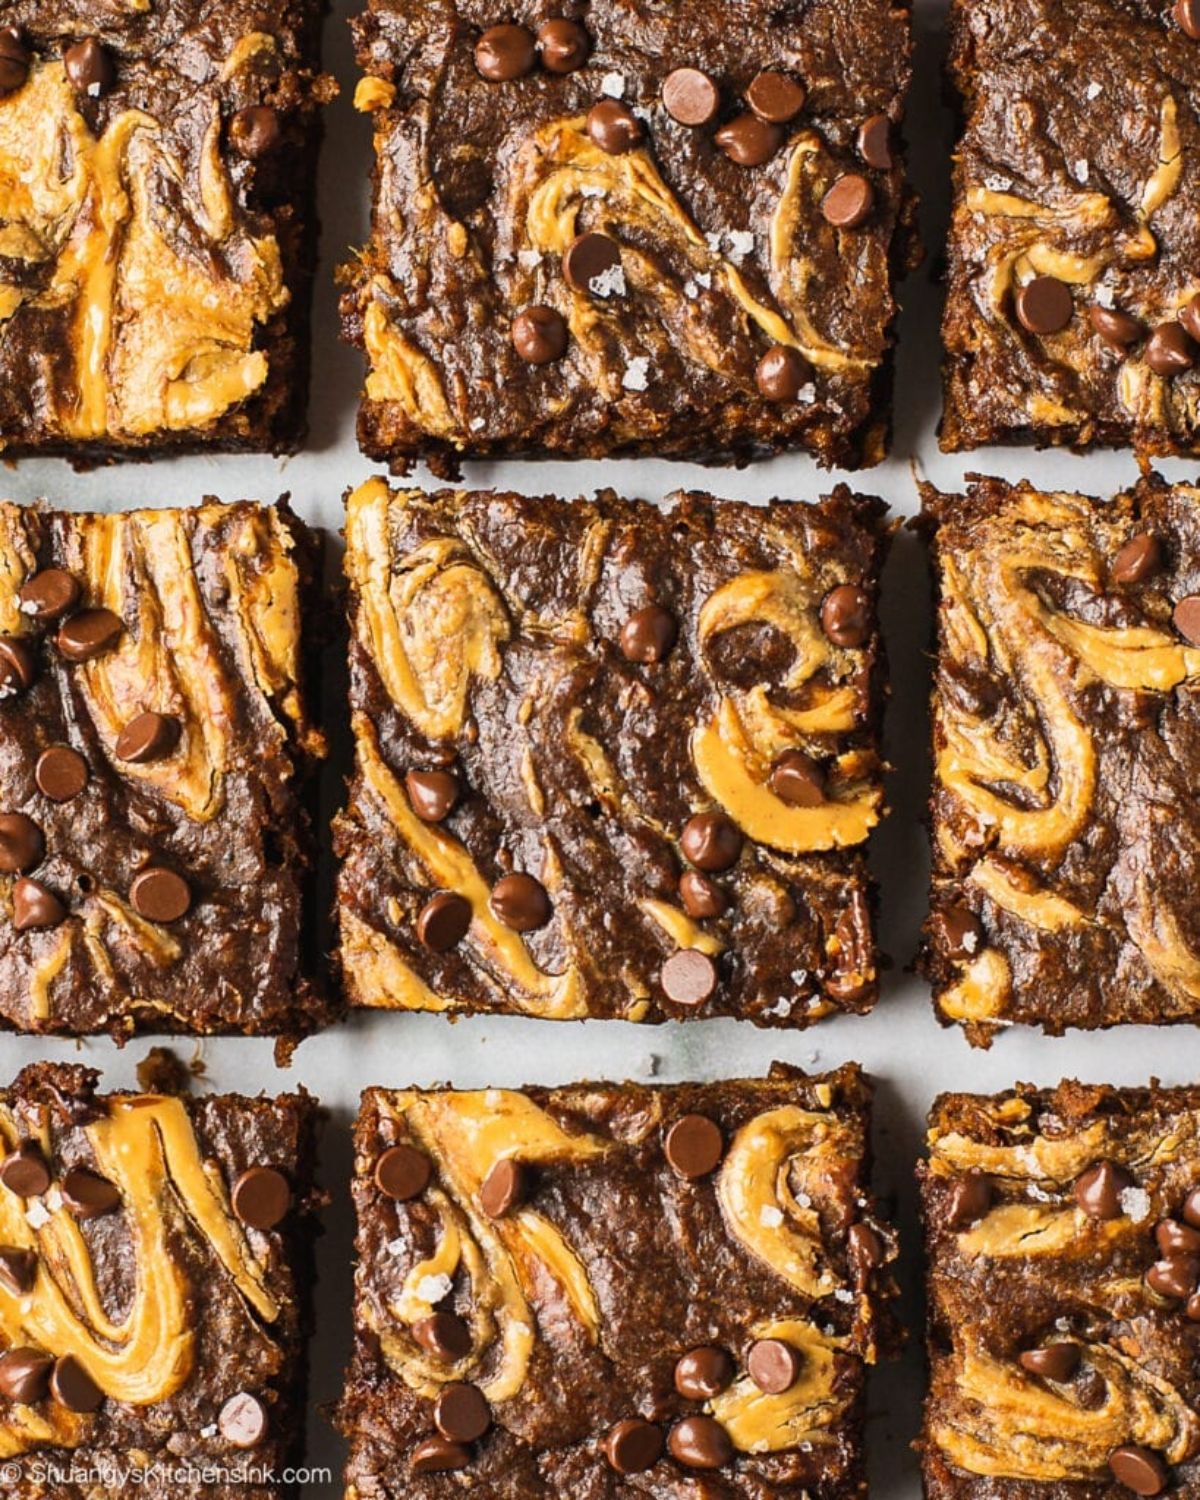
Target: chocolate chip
point(88, 1195)
point(701, 896)
point(255, 132)
point(21, 843)
point(592, 258)
point(563, 45)
point(14, 60)
point(866, 1252)
point(25, 1376)
point(1187, 17)
point(1044, 305)
point(25, 1172)
point(700, 1443)
point(1174, 1238)
point(1175, 1277)
point(262, 1197)
point(160, 895)
point(703, 1373)
point(648, 634)
point(1140, 558)
point(89, 634)
point(1189, 316)
point(956, 932)
point(72, 1386)
point(49, 594)
point(1169, 351)
point(18, 666)
point(848, 202)
point(242, 1420)
point(539, 335)
point(431, 794)
point(694, 1146)
point(969, 1199)
point(782, 373)
point(147, 737)
point(504, 53)
point(875, 142)
point(1186, 618)
point(797, 780)
point(711, 841)
point(773, 1366)
point(35, 906)
point(1098, 1190)
point(846, 615)
point(688, 977)
point(61, 773)
point(1138, 1469)
point(613, 126)
point(1052, 1362)
point(18, 1269)
point(1117, 328)
point(1191, 1208)
point(749, 141)
point(690, 96)
point(444, 1335)
point(437, 1456)
point(1192, 1310)
point(402, 1172)
point(521, 902)
point(504, 1188)
point(775, 97)
point(89, 67)
point(633, 1446)
point(461, 1413)
point(443, 921)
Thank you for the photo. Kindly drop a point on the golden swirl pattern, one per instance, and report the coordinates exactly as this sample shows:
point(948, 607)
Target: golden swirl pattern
point(161, 340)
point(148, 1149)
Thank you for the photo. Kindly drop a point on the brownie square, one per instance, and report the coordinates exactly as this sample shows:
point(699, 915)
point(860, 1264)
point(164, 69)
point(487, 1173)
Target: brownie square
point(1066, 730)
point(1061, 1234)
point(155, 755)
point(668, 230)
point(1072, 313)
point(611, 759)
point(157, 225)
point(154, 1286)
point(608, 1290)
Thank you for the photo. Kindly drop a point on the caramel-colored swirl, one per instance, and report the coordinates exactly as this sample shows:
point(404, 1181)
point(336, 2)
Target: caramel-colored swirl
point(163, 336)
point(1030, 796)
point(507, 1260)
point(781, 1168)
point(431, 621)
point(147, 1352)
point(803, 1414)
point(733, 752)
point(1005, 1423)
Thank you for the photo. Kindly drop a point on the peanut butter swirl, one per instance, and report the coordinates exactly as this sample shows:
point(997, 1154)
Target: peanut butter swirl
point(1045, 1265)
point(146, 1352)
point(167, 284)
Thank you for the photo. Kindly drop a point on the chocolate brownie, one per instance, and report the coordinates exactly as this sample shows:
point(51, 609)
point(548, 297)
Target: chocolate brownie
point(603, 228)
point(1066, 834)
point(614, 1290)
point(611, 759)
point(154, 755)
point(157, 227)
point(1073, 303)
point(154, 1279)
point(1063, 1235)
